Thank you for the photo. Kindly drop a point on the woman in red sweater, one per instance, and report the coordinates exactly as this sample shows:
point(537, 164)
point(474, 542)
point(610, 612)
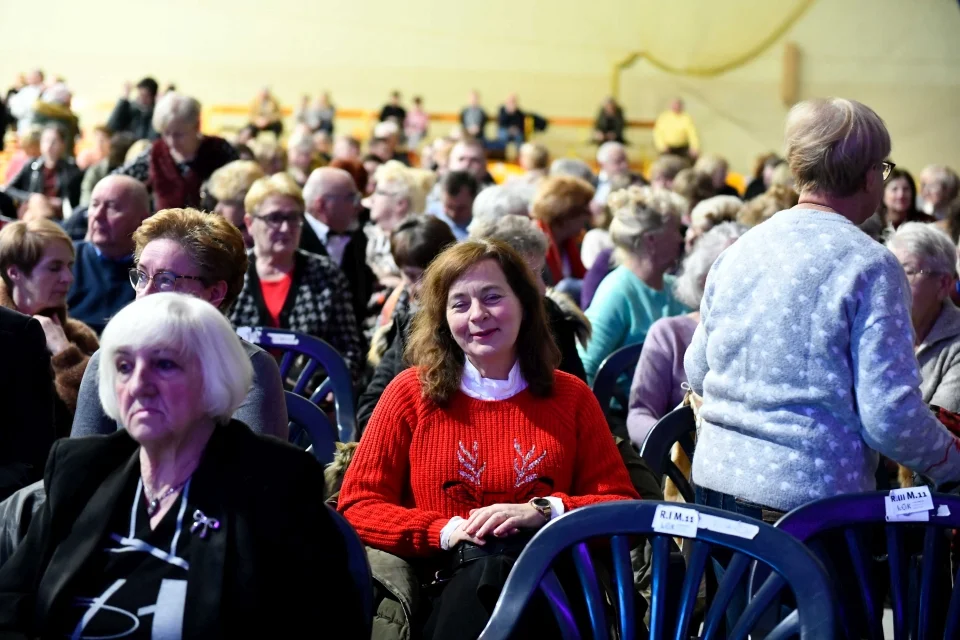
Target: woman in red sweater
point(480, 443)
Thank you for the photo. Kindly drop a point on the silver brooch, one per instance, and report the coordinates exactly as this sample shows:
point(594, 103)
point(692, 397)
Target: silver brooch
point(203, 524)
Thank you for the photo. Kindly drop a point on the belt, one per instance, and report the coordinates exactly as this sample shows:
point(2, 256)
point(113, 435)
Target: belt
point(467, 552)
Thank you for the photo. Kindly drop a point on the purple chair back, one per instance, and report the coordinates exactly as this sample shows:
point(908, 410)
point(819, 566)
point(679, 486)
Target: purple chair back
point(620, 522)
point(843, 527)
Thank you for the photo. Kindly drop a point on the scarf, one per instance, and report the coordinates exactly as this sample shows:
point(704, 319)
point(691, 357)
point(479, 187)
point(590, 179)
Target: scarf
point(555, 260)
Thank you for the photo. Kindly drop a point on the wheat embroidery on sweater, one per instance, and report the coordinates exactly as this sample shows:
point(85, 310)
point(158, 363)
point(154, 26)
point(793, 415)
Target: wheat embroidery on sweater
point(469, 463)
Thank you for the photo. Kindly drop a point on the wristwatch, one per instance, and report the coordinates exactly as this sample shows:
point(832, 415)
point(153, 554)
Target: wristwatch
point(543, 506)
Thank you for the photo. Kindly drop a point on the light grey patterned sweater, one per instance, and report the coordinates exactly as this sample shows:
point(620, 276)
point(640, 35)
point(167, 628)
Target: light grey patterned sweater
point(804, 358)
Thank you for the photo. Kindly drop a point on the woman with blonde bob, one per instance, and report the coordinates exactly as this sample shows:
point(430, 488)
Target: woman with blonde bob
point(803, 355)
point(184, 520)
point(481, 442)
point(286, 287)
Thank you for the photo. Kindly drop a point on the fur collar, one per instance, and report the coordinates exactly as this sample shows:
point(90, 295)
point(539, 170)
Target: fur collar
point(74, 329)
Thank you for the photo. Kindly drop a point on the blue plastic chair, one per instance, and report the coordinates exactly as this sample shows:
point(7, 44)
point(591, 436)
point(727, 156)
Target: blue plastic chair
point(850, 516)
point(307, 418)
point(318, 355)
point(794, 565)
point(605, 388)
point(678, 426)
point(359, 568)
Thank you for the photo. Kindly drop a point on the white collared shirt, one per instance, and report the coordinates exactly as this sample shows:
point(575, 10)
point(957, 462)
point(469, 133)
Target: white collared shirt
point(335, 245)
point(476, 386)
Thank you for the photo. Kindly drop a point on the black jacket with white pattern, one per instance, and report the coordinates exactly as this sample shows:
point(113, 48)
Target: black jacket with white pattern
point(319, 304)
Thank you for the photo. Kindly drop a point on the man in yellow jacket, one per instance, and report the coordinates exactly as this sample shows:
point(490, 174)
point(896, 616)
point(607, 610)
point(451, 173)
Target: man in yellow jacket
point(675, 133)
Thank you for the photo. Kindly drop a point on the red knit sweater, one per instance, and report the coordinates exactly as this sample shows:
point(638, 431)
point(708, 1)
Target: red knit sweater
point(418, 464)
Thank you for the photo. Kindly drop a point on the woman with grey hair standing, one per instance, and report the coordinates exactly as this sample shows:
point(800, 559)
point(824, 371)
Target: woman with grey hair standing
point(184, 520)
point(929, 260)
point(659, 376)
point(802, 355)
point(181, 159)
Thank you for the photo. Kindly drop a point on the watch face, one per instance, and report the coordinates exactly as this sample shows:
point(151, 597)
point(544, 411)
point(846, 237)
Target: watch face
point(541, 502)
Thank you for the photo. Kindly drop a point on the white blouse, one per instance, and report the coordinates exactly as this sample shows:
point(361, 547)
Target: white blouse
point(480, 388)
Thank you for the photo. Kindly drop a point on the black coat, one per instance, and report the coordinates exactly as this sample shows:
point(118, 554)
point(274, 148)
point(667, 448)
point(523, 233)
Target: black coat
point(30, 181)
point(566, 324)
point(130, 117)
point(26, 401)
point(276, 568)
point(354, 266)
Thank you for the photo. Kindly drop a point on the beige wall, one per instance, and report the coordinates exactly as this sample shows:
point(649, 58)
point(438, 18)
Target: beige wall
point(902, 57)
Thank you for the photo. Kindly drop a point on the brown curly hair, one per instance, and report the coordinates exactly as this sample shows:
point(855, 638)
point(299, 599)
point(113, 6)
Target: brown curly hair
point(432, 347)
point(214, 244)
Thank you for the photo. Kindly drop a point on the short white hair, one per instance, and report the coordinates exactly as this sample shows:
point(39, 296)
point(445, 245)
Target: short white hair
point(693, 274)
point(930, 245)
point(175, 107)
point(520, 232)
point(603, 153)
point(497, 201)
point(186, 325)
point(386, 129)
point(573, 167)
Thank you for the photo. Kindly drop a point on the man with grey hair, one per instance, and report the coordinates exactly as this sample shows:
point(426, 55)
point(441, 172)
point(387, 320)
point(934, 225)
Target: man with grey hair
point(612, 158)
point(101, 285)
point(330, 197)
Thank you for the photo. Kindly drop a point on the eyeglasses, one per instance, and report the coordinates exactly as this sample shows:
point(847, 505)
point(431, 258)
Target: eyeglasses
point(164, 280)
point(916, 273)
point(887, 168)
point(276, 219)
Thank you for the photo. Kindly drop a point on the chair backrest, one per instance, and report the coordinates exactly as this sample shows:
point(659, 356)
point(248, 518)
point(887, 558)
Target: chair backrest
point(846, 529)
point(678, 426)
point(359, 569)
point(605, 388)
point(317, 354)
point(618, 521)
point(309, 419)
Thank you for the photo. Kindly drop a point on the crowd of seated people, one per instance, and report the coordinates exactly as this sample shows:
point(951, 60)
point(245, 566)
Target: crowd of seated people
point(802, 319)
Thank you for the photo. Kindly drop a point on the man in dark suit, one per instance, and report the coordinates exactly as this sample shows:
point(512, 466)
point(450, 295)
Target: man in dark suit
point(331, 200)
point(27, 401)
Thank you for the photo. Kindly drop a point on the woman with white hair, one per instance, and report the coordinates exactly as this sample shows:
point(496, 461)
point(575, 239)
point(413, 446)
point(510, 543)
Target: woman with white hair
point(659, 376)
point(178, 162)
point(646, 233)
point(939, 186)
point(929, 260)
point(184, 520)
point(803, 355)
